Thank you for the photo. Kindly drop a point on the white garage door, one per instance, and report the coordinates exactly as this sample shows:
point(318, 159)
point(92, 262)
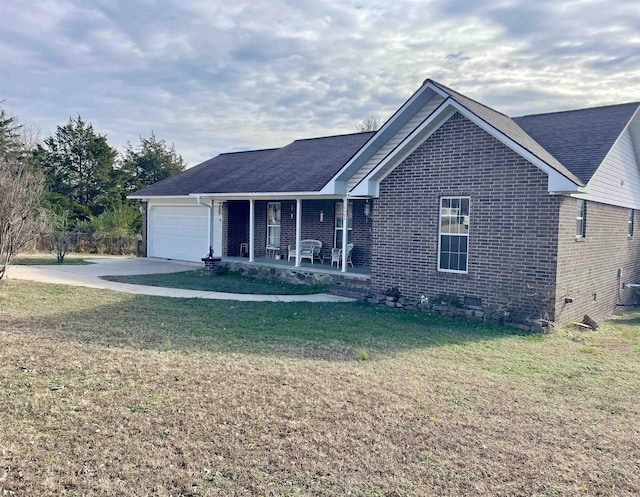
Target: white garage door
point(178, 232)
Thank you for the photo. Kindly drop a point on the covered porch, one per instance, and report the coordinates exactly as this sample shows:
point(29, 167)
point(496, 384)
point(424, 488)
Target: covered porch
point(266, 231)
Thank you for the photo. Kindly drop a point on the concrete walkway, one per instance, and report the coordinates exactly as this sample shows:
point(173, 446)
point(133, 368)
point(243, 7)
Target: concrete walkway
point(89, 276)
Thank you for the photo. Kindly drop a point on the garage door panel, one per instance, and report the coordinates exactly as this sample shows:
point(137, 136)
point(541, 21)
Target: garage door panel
point(178, 232)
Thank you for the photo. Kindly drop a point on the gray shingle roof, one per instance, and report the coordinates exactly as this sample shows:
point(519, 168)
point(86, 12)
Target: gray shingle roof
point(511, 129)
point(574, 143)
point(580, 139)
point(302, 166)
point(220, 168)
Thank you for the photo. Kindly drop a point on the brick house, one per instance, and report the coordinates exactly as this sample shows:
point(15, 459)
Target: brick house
point(534, 215)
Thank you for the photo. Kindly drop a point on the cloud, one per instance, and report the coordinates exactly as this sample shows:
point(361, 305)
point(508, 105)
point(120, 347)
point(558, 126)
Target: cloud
point(215, 77)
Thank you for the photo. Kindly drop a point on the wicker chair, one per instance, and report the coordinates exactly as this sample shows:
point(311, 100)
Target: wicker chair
point(336, 255)
point(309, 249)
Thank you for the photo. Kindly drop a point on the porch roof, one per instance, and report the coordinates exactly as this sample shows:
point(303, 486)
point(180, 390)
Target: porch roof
point(303, 166)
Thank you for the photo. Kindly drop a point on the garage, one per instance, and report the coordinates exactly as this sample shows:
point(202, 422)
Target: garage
point(178, 232)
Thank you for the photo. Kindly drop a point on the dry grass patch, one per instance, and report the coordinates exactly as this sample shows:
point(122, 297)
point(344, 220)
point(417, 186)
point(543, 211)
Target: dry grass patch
point(111, 394)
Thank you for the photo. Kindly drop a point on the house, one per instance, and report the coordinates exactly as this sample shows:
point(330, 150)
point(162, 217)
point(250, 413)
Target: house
point(533, 214)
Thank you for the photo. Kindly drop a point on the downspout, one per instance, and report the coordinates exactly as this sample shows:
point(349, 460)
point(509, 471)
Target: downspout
point(210, 207)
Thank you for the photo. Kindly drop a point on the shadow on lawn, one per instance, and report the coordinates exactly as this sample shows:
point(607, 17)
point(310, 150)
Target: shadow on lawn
point(320, 330)
point(628, 316)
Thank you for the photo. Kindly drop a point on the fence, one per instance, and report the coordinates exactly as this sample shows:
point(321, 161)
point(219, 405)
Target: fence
point(94, 243)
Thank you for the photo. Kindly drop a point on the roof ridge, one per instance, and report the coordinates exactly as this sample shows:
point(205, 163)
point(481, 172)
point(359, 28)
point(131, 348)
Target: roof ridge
point(451, 90)
point(576, 110)
point(333, 136)
point(246, 151)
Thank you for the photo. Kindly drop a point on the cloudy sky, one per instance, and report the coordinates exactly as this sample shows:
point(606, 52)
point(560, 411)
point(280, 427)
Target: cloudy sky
point(214, 76)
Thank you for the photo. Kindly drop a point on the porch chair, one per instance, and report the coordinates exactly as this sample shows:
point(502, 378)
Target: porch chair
point(309, 249)
point(336, 255)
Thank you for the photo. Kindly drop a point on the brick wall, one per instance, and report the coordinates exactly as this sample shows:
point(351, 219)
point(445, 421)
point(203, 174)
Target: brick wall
point(587, 268)
point(513, 229)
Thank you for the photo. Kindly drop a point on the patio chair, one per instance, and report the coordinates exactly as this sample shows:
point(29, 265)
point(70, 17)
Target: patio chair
point(309, 249)
point(336, 255)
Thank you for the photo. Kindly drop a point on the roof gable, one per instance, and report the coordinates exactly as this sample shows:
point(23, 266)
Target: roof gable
point(580, 139)
point(510, 129)
point(569, 146)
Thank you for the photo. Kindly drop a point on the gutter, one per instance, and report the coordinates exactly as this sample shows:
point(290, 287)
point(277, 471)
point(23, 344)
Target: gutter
point(210, 207)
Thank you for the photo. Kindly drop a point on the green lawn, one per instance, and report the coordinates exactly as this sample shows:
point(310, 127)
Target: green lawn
point(230, 283)
point(48, 259)
point(104, 393)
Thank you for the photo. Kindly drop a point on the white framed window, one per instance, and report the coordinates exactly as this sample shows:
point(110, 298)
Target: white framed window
point(274, 215)
point(631, 222)
point(581, 218)
point(337, 241)
point(453, 239)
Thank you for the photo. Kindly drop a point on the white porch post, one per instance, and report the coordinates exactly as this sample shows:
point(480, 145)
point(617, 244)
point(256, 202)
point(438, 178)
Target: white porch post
point(298, 229)
point(211, 220)
point(345, 220)
point(252, 218)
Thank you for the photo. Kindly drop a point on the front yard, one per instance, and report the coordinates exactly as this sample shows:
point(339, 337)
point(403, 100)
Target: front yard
point(230, 282)
point(104, 393)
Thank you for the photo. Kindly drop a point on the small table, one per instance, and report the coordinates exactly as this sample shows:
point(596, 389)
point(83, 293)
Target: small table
point(273, 252)
point(244, 250)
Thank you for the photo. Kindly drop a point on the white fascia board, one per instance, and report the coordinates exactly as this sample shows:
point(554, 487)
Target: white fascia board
point(155, 197)
point(556, 181)
point(585, 195)
point(369, 185)
point(265, 195)
point(335, 184)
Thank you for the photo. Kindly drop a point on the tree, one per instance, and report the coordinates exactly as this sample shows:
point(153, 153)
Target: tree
point(369, 123)
point(56, 228)
point(152, 161)
point(21, 190)
point(79, 165)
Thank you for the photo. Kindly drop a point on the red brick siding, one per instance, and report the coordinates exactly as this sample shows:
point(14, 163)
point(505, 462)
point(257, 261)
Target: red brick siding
point(587, 268)
point(512, 240)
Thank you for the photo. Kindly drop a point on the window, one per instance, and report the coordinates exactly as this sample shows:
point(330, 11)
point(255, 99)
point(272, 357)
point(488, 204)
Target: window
point(338, 234)
point(453, 248)
point(630, 232)
point(273, 224)
point(581, 218)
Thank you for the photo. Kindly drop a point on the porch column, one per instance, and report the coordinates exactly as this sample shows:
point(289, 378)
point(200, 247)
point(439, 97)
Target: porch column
point(345, 230)
point(298, 229)
point(211, 220)
point(252, 218)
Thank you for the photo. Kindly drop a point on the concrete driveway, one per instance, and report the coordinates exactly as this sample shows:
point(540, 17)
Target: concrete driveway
point(89, 276)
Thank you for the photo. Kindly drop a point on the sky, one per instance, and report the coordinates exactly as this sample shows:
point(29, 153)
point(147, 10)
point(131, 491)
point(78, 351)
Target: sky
point(213, 76)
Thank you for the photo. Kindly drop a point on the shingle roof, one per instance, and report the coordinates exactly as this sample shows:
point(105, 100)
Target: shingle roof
point(221, 167)
point(574, 143)
point(304, 165)
point(579, 139)
point(511, 129)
